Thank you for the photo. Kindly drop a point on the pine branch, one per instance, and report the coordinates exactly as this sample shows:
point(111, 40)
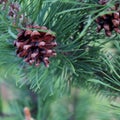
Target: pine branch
point(79, 52)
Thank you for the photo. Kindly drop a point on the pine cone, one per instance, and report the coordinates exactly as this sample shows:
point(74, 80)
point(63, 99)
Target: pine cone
point(35, 46)
point(109, 22)
point(14, 9)
point(3, 1)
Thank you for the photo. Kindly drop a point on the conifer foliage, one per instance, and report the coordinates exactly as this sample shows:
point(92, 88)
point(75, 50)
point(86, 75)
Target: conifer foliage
point(51, 55)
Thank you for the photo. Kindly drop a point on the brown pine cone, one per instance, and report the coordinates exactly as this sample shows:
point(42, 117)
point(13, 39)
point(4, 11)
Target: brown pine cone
point(35, 46)
point(109, 22)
